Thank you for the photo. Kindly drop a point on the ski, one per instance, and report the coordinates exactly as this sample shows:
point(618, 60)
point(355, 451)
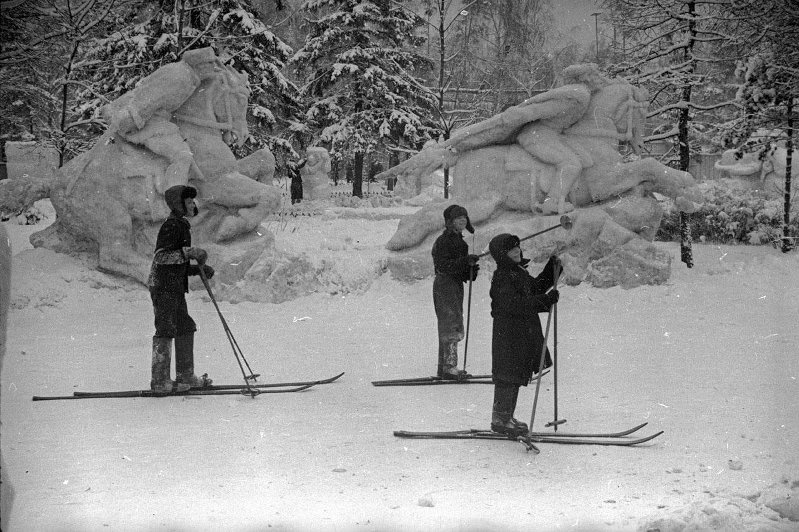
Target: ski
point(467, 432)
point(240, 390)
point(428, 381)
point(258, 386)
point(431, 381)
point(610, 438)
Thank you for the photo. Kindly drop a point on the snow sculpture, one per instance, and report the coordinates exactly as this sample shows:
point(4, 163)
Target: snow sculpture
point(555, 152)
point(765, 168)
point(315, 174)
point(173, 128)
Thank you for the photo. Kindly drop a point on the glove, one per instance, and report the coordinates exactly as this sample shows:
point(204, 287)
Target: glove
point(207, 270)
point(198, 254)
point(553, 296)
point(472, 259)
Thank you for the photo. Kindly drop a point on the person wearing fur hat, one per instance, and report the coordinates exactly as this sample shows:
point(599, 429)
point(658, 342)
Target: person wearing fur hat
point(168, 284)
point(453, 266)
point(517, 338)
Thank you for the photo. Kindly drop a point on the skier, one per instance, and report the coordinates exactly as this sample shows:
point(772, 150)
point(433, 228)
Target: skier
point(517, 340)
point(168, 283)
point(453, 266)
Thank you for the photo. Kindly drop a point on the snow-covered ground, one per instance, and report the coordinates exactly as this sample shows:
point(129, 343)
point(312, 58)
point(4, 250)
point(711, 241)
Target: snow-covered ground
point(710, 358)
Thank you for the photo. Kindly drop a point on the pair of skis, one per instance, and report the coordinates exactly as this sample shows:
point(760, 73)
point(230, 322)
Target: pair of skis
point(214, 389)
point(429, 381)
point(529, 440)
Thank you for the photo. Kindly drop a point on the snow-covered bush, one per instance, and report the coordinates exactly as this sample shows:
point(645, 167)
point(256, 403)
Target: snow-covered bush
point(731, 215)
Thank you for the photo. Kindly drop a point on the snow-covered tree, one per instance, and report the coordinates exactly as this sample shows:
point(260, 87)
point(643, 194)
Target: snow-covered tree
point(769, 94)
point(360, 66)
point(151, 34)
point(42, 43)
point(673, 48)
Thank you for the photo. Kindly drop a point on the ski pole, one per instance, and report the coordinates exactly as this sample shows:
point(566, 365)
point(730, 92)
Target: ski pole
point(543, 360)
point(468, 312)
point(565, 222)
point(555, 421)
point(233, 343)
point(468, 318)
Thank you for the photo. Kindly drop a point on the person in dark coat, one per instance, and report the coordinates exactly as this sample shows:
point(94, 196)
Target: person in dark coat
point(296, 180)
point(168, 284)
point(517, 339)
point(453, 266)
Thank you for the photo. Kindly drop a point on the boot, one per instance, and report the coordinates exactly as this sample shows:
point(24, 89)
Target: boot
point(502, 415)
point(442, 357)
point(520, 425)
point(161, 366)
point(449, 367)
point(184, 363)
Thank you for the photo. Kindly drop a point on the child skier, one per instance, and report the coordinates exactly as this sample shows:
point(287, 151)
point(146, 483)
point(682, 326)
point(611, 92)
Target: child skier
point(453, 266)
point(168, 283)
point(517, 339)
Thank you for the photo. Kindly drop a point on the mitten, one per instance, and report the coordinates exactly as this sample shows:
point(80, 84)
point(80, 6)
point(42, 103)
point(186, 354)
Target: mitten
point(198, 254)
point(553, 296)
point(473, 272)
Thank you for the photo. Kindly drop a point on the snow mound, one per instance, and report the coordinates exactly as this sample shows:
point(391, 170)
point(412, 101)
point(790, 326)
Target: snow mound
point(775, 509)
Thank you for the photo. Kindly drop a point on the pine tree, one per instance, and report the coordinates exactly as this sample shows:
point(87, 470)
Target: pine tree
point(359, 67)
point(150, 34)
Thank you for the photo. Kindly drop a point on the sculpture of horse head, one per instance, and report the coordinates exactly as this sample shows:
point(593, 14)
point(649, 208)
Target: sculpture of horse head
point(230, 105)
point(617, 113)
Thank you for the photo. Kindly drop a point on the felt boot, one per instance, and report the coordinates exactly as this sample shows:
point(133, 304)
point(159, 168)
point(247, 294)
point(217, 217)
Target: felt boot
point(502, 414)
point(449, 369)
point(184, 363)
point(520, 425)
point(160, 381)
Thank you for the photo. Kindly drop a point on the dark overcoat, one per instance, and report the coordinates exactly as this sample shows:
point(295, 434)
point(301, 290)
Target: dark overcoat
point(517, 339)
point(450, 260)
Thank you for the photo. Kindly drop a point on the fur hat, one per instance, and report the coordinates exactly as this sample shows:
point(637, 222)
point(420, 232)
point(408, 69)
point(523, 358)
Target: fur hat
point(456, 211)
point(174, 197)
point(499, 247)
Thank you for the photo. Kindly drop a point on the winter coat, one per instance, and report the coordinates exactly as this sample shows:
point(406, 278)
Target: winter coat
point(450, 255)
point(450, 260)
point(171, 269)
point(517, 338)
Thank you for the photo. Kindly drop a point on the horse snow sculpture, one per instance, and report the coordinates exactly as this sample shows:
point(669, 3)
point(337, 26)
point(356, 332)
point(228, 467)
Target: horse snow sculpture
point(173, 128)
point(552, 153)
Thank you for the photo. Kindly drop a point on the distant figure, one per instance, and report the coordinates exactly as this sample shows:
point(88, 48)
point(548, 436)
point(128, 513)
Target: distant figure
point(169, 283)
point(296, 179)
point(454, 266)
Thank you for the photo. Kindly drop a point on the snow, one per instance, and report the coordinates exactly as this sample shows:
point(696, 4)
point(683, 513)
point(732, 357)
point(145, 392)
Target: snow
point(709, 358)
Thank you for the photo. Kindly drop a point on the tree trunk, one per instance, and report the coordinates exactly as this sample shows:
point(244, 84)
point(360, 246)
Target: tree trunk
point(179, 8)
point(62, 145)
point(686, 254)
point(787, 244)
point(357, 175)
